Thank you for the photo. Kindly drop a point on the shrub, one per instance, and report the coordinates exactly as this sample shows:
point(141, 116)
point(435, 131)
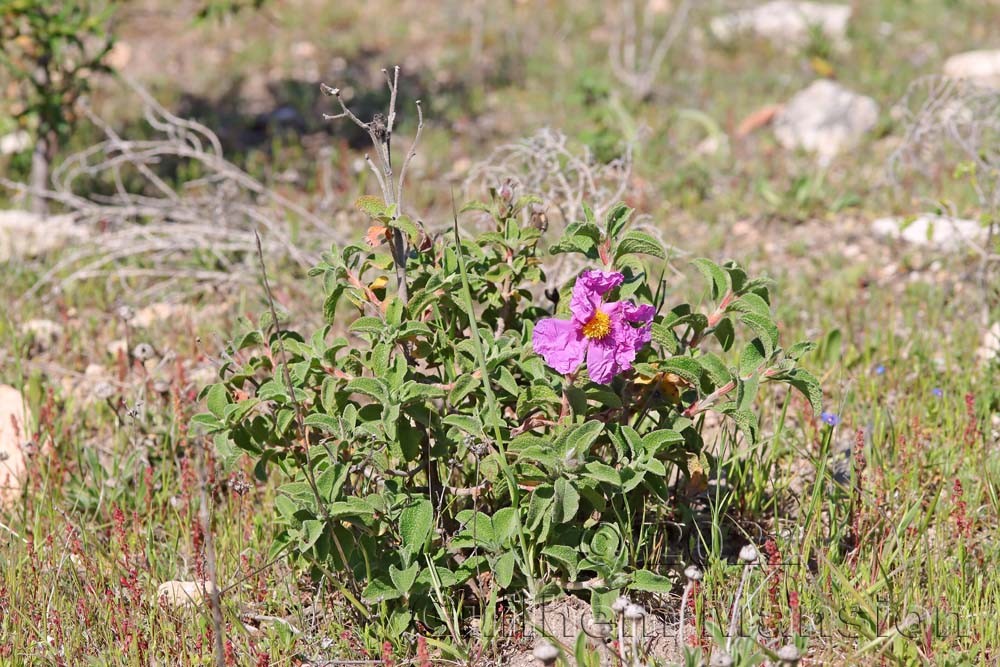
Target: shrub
point(433, 457)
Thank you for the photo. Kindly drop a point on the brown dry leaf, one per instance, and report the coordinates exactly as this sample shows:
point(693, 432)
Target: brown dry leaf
point(758, 119)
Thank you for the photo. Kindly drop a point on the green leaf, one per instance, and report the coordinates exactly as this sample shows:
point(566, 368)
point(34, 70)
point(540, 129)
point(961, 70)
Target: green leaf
point(403, 579)
point(715, 368)
point(745, 420)
point(503, 568)
point(379, 590)
point(639, 243)
point(217, 399)
point(650, 582)
point(313, 530)
point(567, 556)
point(616, 219)
point(415, 524)
point(806, 383)
point(716, 277)
point(604, 473)
point(656, 440)
point(471, 425)
point(685, 367)
point(368, 387)
point(752, 358)
point(765, 328)
point(577, 440)
point(567, 501)
point(665, 336)
point(368, 325)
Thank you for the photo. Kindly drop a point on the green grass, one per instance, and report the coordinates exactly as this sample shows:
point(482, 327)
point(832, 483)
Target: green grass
point(111, 510)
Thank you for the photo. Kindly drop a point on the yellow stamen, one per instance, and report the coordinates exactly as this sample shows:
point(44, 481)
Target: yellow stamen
point(598, 327)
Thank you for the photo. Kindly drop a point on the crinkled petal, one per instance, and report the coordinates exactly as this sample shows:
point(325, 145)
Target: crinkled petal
point(601, 362)
point(561, 344)
point(640, 313)
point(588, 290)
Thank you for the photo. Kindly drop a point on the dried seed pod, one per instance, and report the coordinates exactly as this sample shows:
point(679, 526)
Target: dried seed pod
point(748, 554)
point(693, 573)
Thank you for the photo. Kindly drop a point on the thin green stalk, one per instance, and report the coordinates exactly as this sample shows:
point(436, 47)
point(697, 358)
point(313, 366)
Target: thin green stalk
point(493, 414)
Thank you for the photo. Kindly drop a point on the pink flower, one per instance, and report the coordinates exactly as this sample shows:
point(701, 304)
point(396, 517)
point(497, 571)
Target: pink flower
point(602, 334)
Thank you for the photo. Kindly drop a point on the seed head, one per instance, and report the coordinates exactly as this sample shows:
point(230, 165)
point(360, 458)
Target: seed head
point(545, 653)
point(721, 659)
point(748, 554)
point(693, 573)
point(620, 605)
point(143, 351)
point(789, 655)
point(634, 612)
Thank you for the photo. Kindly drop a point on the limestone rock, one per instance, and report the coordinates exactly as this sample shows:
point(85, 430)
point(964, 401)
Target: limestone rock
point(785, 23)
point(933, 231)
point(981, 67)
point(15, 142)
point(179, 594)
point(24, 234)
point(825, 118)
point(15, 420)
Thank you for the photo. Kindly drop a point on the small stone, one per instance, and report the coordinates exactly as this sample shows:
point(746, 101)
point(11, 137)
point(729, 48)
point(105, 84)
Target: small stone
point(825, 119)
point(981, 67)
point(178, 594)
point(15, 420)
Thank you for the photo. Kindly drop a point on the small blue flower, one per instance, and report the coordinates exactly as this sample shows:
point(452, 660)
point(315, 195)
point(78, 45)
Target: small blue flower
point(937, 391)
point(829, 418)
point(880, 370)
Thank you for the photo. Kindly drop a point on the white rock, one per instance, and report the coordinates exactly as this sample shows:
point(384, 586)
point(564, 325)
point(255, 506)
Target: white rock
point(935, 231)
point(825, 118)
point(24, 234)
point(982, 67)
point(788, 24)
point(990, 347)
point(15, 142)
point(183, 593)
point(15, 419)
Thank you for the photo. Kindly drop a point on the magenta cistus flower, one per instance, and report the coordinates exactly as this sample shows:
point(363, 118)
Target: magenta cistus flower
point(602, 334)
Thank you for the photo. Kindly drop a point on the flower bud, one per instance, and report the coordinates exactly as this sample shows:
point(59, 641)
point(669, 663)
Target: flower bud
point(693, 573)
